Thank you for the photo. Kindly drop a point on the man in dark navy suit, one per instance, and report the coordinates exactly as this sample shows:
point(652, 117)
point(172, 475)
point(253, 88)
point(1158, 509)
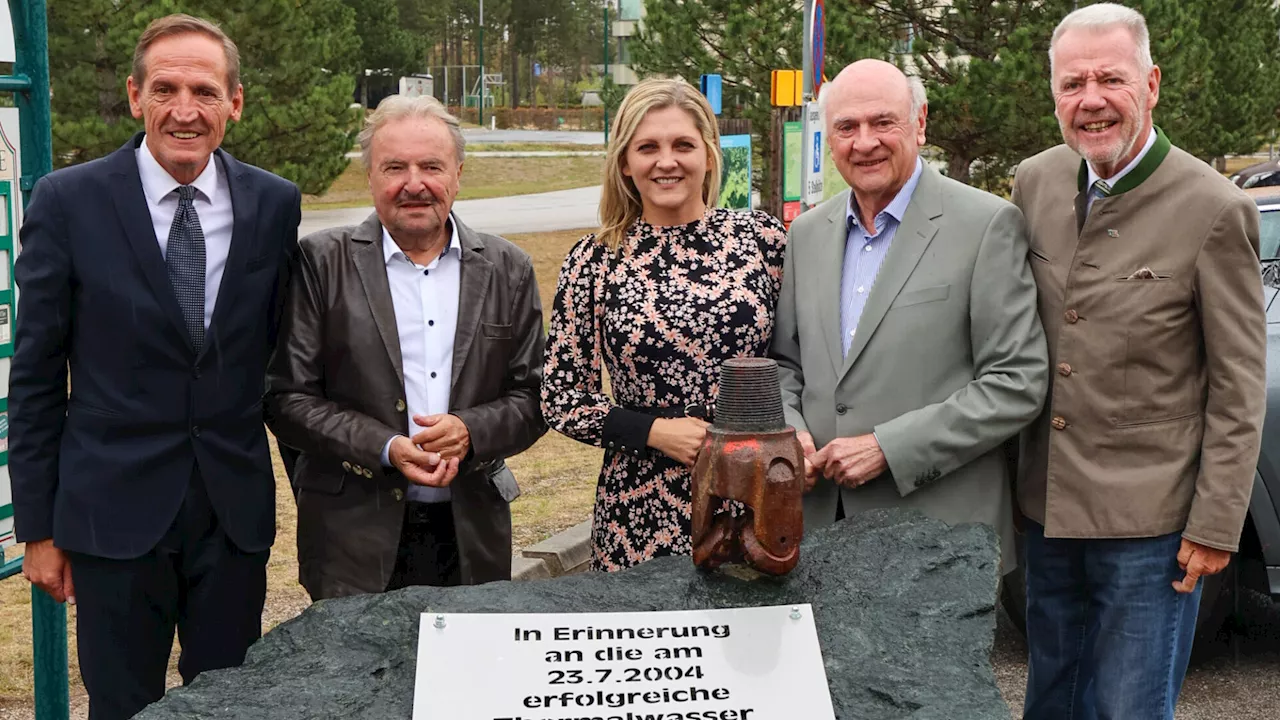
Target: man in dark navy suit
point(153, 278)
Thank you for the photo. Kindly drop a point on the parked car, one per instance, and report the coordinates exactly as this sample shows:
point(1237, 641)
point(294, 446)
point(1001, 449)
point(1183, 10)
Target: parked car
point(1257, 565)
point(1263, 174)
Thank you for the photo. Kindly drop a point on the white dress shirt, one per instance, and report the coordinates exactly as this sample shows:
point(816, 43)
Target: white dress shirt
point(212, 201)
point(426, 305)
point(1114, 179)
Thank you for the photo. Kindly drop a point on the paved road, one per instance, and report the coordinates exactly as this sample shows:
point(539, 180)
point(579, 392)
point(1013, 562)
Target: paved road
point(481, 135)
point(1219, 686)
point(559, 210)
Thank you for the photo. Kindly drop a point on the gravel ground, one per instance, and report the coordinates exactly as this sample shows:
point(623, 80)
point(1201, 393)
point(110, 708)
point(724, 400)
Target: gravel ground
point(1227, 681)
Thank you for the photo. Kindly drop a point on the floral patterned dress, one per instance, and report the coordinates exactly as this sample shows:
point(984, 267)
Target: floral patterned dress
point(660, 314)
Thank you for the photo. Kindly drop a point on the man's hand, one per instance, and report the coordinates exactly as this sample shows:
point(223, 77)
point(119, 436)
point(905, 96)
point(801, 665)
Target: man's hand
point(851, 461)
point(47, 568)
point(444, 434)
point(678, 438)
point(1196, 561)
point(810, 470)
point(421, 467)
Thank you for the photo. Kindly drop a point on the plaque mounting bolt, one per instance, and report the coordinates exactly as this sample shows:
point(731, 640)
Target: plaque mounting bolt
point(795, 612)
point(439, 621)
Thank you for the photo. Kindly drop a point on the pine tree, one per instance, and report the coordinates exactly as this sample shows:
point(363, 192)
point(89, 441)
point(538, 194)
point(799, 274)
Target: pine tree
point(296, 68)
point(1220, 91)
point(386, 48)
point(745, 42)
point(985, 66)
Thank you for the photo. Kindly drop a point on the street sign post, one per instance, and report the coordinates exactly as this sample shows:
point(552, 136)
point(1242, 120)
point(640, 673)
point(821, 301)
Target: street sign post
point(815, 48)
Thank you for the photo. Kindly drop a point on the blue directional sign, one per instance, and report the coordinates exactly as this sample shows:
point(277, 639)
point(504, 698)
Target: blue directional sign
point(817, 152)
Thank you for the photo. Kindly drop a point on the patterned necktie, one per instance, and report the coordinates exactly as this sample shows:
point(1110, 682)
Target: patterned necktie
point(185, 261)
point(1100, 188)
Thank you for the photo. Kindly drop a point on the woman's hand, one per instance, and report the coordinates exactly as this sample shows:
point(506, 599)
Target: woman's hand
point(678, 438)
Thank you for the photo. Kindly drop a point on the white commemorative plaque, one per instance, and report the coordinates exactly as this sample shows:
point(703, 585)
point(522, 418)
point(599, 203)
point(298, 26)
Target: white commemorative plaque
point(738, 664)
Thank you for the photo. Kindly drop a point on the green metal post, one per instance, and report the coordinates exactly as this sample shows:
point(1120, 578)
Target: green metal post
point(606, 70)
point(30, 29)
point(481, 49)
point(31, 68)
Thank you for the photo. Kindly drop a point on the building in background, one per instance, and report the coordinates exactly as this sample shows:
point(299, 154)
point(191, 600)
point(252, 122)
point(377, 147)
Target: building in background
point(629, 20)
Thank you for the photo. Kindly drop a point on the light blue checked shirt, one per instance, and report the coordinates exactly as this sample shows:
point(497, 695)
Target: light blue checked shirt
point(865, 252)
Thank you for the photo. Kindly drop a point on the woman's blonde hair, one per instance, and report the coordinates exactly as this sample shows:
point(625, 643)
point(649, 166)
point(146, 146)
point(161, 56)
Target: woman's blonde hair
point(620, 203)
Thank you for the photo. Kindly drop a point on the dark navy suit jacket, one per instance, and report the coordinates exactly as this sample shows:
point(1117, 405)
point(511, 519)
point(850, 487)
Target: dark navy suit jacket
point(103, 468)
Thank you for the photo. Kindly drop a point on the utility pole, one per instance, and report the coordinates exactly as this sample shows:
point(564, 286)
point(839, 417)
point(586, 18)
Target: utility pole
point(606, 71)
point(481, 101)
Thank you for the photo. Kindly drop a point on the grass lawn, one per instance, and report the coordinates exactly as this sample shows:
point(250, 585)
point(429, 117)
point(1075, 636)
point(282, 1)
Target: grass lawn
point(531, 147)
point(482, 177)
point(557, 478)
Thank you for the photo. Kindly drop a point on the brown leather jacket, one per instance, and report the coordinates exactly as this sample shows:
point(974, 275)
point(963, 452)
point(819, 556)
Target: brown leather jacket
point(335, 391)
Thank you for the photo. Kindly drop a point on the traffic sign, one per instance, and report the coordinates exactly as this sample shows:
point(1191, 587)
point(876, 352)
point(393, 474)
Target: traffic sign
point(819, 44)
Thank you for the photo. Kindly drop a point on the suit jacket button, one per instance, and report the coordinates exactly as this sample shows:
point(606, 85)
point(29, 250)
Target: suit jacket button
point(195, 431)
point(1059, 422)
point(398, 494)
point(368, 473)
point(400, 406)
point(1071, 316)
point(1064, 369)
point(841, 409)
point(346, 466)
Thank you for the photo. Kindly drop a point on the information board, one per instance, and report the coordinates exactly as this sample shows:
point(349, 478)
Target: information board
point(738, 664)
point(10, 208)
point(735, 172)
point(792, 154)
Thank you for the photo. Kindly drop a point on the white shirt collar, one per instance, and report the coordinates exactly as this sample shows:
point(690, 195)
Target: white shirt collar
point(390, 249)
point(1093, 175)
point(157, 183)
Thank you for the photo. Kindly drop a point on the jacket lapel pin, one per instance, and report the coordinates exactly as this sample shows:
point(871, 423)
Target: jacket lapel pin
point(1112, 233)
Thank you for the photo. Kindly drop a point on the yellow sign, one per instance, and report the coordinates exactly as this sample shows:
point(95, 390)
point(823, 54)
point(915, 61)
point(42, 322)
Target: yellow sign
point(786, 88)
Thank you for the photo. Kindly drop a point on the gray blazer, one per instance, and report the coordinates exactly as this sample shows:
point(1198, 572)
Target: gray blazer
point(949, 360)
point(335, 391)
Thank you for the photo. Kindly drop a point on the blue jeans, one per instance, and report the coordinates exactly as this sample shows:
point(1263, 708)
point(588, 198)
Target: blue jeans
point(1108, 637)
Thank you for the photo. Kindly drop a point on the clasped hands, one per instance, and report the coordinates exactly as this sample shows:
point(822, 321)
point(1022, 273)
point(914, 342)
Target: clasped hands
point(848, 461)
point(432, 456)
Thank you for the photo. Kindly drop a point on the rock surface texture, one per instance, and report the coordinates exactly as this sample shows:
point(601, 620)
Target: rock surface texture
point(905, 609)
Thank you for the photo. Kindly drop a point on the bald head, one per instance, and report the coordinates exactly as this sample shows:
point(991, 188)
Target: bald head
point(880, 77)
point(875, 118)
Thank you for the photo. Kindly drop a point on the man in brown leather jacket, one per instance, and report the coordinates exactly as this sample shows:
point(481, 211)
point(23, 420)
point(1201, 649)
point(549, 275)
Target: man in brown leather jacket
point(408, 370)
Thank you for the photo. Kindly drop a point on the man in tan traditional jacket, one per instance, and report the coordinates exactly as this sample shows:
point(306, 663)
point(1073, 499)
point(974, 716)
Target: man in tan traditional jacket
point(1136, 478)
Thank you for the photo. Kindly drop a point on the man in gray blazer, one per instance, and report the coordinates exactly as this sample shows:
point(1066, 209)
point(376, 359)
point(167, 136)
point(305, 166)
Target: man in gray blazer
point(907, 335)
point(409, 368)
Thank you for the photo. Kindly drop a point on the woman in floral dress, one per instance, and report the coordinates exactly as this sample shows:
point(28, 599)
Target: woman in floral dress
point(666, 291)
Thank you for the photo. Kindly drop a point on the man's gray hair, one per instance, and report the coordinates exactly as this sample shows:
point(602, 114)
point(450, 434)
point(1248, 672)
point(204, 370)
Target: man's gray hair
point(918, 96)
point(400, 107)
point(1105, 16)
